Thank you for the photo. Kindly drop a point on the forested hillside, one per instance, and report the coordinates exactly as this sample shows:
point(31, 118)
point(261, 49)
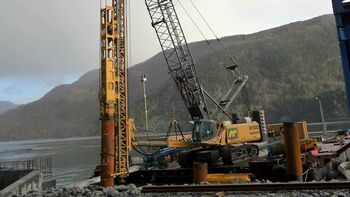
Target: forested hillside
point(6, 105)
point(287, 67)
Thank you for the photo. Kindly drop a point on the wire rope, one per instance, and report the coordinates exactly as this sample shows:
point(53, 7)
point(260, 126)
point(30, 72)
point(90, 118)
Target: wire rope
point(196, 25)
point(213, 32)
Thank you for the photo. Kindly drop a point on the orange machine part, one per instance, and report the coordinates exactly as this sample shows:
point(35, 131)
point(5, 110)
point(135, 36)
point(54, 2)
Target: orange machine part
point(200, 172)
point(229, 178)
point(107, 154)
point(293, 152)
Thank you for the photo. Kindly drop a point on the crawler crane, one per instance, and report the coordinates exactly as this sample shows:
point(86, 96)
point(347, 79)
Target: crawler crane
point(212, 138)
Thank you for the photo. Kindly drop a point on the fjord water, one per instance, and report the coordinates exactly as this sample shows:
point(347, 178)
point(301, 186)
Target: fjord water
point(72, 159)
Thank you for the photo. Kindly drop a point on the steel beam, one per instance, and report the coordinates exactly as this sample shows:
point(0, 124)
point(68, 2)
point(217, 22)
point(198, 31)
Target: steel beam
point(341, 10)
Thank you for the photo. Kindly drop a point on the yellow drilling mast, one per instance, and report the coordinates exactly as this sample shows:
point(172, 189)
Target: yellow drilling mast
point(117, 128)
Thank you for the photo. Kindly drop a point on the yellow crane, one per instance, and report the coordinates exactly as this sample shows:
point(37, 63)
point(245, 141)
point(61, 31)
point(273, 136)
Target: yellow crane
point(212, 138)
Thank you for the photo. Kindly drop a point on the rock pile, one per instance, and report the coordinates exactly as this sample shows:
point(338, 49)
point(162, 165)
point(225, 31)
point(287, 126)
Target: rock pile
point(91, 191)
point(305, 193)
point(132, 190)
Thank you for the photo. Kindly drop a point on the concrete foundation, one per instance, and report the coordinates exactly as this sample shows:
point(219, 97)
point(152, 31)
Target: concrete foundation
point(48, 184)
point(32, 181)
point(10, 176)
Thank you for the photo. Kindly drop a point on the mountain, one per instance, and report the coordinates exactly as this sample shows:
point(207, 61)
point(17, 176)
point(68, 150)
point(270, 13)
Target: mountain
point(288, 66)
point(6, 105)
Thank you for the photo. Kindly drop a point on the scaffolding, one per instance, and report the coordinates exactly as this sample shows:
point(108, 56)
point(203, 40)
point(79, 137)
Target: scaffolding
point(44, 164)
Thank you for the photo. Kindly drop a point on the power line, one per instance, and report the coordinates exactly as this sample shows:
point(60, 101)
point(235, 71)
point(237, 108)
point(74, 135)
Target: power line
point(211, 29)
point(200, 14)
point(195, 24)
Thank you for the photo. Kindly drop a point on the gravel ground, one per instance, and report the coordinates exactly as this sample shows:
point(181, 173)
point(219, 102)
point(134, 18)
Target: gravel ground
point(322, 193)
point(132, 190)
point(91, 191)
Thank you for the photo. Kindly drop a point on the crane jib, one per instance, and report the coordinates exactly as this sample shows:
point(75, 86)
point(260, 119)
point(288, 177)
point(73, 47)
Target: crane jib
point(178, 56)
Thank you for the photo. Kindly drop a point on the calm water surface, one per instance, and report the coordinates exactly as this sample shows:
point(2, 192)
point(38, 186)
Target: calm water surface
point(72, 159)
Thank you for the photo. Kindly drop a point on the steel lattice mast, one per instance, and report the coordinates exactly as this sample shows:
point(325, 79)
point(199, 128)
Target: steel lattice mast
point(182, 66)
point(122, 147)
point(178, 56)
point(113, 94)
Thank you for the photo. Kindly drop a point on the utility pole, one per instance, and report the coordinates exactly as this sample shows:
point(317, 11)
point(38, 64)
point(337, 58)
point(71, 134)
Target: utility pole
point(143, 80)
point(322, 116)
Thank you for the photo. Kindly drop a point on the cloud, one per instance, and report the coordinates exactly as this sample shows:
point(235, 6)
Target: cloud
point(61, 79)
point(12, 90)
point(27, 90)
point(48, 37)
point(58, 40)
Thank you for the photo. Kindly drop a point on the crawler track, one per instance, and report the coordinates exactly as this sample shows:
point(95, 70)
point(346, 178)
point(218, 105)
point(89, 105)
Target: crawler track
point(247, 187)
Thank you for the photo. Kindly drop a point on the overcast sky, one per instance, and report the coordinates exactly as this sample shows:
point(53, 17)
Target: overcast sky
point(45, 43)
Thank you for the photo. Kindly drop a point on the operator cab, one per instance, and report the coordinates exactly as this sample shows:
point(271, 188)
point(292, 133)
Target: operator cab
point(203, 130)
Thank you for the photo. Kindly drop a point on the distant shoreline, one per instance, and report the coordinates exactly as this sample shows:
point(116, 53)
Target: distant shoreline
point(72, 139)
point(51, 140)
